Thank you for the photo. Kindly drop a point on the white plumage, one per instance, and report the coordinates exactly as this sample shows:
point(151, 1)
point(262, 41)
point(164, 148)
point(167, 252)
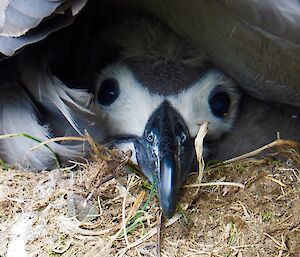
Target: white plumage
point(19, 115)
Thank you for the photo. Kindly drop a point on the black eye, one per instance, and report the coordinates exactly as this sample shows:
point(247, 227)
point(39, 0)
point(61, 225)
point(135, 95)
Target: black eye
point(108, 92)
point(219, 102)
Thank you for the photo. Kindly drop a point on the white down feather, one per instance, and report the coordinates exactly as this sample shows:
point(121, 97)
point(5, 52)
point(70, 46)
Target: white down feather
point(18, 115)
point(53, 94)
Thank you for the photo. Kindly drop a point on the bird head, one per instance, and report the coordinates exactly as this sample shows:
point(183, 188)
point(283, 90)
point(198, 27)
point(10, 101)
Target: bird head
point(154, 93)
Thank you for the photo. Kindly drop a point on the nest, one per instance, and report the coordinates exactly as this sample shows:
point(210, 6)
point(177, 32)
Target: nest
point(102, 208)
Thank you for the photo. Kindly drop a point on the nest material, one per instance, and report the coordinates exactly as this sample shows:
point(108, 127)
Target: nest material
point(101, 209)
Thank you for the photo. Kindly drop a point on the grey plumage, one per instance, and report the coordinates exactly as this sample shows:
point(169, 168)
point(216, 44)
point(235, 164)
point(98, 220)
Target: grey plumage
point(255, 42)
point(256, 125)
point(26, 22)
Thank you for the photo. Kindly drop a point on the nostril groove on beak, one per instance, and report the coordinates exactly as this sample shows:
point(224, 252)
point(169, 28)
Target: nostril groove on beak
point(150, 136)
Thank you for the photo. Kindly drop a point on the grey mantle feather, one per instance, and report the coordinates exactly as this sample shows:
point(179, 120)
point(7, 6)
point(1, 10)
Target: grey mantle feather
point(256, 42)
point(26, 22)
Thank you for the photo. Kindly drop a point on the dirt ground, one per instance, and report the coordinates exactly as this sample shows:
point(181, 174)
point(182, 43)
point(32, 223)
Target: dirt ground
point(99, 208)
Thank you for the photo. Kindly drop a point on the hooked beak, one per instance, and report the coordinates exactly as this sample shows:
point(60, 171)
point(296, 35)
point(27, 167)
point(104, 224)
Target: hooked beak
point(165, 154)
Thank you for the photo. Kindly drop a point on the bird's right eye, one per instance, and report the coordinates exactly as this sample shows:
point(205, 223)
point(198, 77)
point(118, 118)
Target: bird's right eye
point(108, 92)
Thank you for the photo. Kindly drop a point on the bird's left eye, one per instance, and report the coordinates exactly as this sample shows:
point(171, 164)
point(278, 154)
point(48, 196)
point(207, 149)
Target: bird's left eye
point(108, 92)
point(219, 102)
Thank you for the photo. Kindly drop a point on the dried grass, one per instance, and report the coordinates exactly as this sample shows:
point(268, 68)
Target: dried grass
point(99, 208)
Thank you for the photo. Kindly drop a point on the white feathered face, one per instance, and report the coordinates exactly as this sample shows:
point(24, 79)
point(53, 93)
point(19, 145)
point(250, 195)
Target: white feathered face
point(128, 103)
point(160, 127)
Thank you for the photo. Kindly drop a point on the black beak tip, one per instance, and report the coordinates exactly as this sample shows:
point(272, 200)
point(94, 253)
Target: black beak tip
point(169, 184)
point(168, 209)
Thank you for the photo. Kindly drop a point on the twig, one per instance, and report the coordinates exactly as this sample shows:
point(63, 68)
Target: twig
point(273, 239)
point(130, 182)
point(199, 149)
point(284, 220)
point(246, 213)
point(276, 181)
point(10, 135)
point(158, 237)
point(92, 143)
point(278, 142)
point(56, 139)
point(215, 184)
point(135, 206)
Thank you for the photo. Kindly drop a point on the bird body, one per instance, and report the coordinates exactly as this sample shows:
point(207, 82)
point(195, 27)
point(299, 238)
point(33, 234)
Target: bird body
point(150, 90)
point(255, 42)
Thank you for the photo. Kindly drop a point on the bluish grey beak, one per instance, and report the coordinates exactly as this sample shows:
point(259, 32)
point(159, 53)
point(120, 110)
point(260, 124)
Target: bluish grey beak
point(165, 154)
